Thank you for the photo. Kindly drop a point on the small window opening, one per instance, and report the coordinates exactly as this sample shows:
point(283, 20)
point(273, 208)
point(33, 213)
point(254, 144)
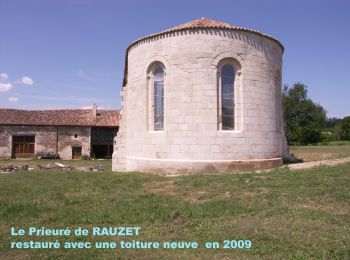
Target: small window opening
point(158, 104)
point(227, 97)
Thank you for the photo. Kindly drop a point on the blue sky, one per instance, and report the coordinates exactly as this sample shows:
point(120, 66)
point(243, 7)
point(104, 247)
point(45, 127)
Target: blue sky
point(70, 53)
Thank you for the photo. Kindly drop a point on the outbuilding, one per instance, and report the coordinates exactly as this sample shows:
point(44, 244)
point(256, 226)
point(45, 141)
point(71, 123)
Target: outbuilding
point(65, 134)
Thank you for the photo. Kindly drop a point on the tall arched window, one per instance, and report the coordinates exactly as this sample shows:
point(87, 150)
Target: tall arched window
point(155, 96)
point(158, 99)
point(227, 97)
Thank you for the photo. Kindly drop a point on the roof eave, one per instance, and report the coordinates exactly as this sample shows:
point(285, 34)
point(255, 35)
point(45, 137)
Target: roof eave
point(125, 79)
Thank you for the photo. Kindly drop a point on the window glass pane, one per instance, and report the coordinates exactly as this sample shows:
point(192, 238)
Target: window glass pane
point(29, 139)
point(227, 97)
point(158, 74)
point(158, 99)
point(18, 139)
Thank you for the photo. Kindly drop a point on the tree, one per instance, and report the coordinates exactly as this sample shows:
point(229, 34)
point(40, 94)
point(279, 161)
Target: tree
point(345, 128)
point(303, 118)
point(331, 122)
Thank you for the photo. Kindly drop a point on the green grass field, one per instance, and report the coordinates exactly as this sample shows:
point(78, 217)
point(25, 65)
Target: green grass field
point(286, 214)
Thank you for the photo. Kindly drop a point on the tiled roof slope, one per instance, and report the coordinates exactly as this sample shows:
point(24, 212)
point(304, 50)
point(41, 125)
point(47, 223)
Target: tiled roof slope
point(67, 117)
point(203, 23)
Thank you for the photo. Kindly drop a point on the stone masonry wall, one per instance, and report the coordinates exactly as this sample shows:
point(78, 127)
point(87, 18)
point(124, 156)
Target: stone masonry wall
point(46, 137)
point(191, 131)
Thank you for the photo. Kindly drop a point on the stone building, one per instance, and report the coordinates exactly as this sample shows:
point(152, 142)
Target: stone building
point(204, 96)
point(68, 134)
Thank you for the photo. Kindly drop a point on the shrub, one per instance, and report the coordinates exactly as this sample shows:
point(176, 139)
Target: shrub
point(345, 128)
point(85, 157)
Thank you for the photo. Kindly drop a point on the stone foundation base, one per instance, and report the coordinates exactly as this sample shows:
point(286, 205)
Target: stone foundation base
point(178, 167)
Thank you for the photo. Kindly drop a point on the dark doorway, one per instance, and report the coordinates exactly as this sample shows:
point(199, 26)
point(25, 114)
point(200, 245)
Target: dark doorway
point(102, 151)
point(76, 153)
point(23, 146)
point(102, 142)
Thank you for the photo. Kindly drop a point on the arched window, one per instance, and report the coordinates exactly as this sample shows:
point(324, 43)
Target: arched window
point(158, 98)
point(155, 96)
point(227, 79)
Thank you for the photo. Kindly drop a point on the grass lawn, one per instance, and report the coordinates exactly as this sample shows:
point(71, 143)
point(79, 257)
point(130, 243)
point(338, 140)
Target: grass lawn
point(320, 152)
point(286, 214)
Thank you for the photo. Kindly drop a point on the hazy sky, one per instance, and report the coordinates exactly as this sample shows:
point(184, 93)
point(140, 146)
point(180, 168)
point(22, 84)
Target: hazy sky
point(70, 53)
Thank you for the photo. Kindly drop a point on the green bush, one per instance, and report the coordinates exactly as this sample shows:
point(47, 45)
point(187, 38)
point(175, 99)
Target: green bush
point(85, 157)
point(303, 118)
point(310, 135)
point(345, 128)
point(329, 136)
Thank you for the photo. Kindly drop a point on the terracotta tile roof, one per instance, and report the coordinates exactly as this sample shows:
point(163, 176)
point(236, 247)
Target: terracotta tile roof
point(202, 23)
point(66, 117)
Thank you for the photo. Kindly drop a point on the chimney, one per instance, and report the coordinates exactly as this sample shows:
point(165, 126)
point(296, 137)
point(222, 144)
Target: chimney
point(94, 110)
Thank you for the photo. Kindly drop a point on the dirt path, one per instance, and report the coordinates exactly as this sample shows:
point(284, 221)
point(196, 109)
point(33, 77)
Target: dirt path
point(308, 165)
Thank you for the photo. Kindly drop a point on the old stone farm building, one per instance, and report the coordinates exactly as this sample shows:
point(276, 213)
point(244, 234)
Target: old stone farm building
point(66, 133)
point(204, 96)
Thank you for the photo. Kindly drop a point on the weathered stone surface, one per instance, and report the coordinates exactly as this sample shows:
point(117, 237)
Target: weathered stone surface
point(57, 132)
point(13, 168)
point(94, 168)
point(47, 139)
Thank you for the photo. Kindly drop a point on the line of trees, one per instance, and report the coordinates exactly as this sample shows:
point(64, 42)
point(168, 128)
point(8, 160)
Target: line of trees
point(306, 121)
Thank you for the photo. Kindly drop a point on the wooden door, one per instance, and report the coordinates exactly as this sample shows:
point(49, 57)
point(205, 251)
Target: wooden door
point(76, 153)
point(23, 146)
